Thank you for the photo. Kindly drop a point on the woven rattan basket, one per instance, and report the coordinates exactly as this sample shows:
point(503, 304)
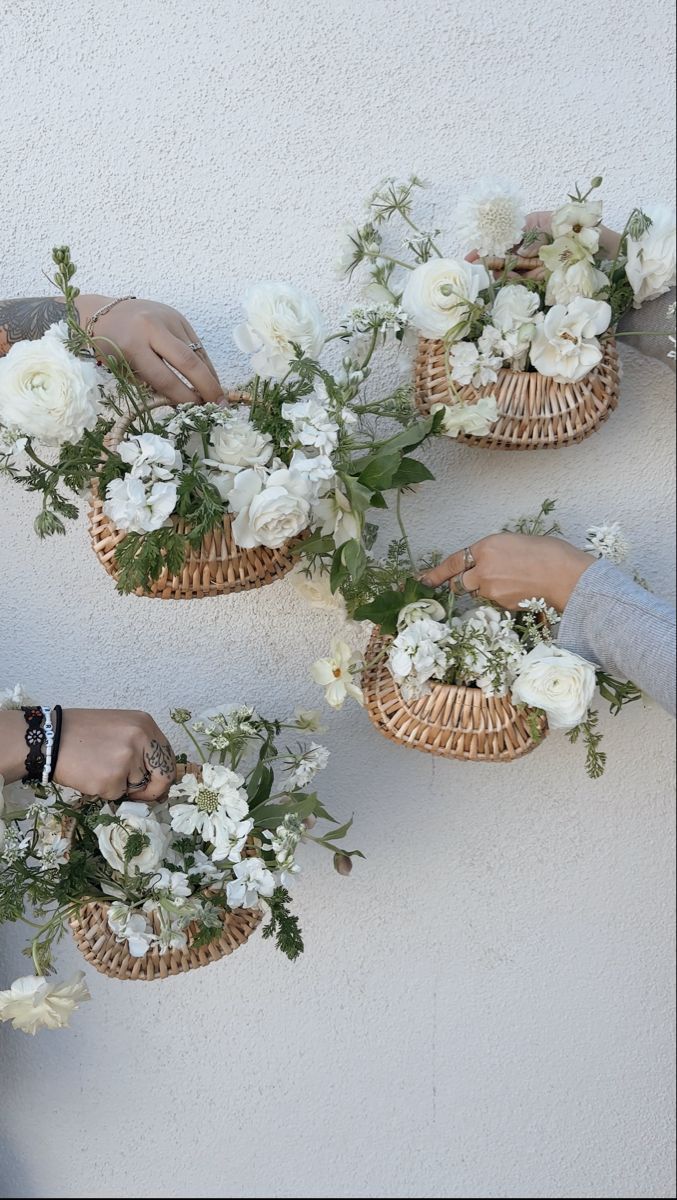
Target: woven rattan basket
point(218, 568)
point(452, 721)
point(97, 943)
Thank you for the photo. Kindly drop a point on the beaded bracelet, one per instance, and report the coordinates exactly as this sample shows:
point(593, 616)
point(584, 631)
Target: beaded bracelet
point(34, 737)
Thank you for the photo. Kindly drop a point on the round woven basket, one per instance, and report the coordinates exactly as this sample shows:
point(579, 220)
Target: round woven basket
point(97, 943)
point(452, 721)
point(217, 568)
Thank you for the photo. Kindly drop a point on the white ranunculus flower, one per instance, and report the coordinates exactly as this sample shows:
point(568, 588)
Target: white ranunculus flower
point(313, 584)
point(150, 456)
point(32, 1003)
point(580, 279)
point(135, 507)
point(335, 674)
point(559, 682)
point(475, 419)
point(210, 806)
point(269, 511)
point(135, 817)
point(490, 218)
point(437, 293)
point(575, 216)
point(336, 517)
point(278, 315)
point(252, 879)
point(48, 393)
point(419, 609)
point(565, 345)
point(514, 306)
point(237, 445)
point(651, 258)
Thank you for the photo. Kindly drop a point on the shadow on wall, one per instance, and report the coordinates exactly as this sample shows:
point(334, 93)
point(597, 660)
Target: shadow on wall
point(14, 1178)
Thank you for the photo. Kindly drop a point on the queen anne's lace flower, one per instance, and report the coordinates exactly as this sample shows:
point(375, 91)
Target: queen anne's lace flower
point(608, 541)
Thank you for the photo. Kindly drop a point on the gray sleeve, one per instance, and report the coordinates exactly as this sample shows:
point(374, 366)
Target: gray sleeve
point(618, 625)
point(652, 316)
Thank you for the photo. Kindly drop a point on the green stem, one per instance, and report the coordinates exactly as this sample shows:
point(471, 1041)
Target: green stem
point(415, 227)
point(198, 747)
point(400, 522)
point(396, 261)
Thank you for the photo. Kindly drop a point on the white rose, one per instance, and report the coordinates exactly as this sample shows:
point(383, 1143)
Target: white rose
point(565, 347)
point(419, 609)
point(559, 682)
point(514, 307)
point(133, 506)
point(575, 216)
point(269, 512)
point(150, 456)
point(32, 1003)
point(135, 818)
point(580, 279)
point(238, 444)
point(475, 419)
point(651, 258)
point(48, 393)
point(436, 292)
point(277, 316)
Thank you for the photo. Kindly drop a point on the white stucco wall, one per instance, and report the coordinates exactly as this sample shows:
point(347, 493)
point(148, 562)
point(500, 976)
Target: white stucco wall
point(484, 1008)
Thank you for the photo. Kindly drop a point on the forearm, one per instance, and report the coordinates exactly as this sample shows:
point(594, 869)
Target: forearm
point(12, 745)
point(27, 319)
point(648, 321)
point(617, 624)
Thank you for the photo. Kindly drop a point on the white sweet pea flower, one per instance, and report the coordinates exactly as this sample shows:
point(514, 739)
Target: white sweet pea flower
point(231, 838)
point(174, 883)
point(150, 456)
point(135, 818)
point(252, 879)
point(271, 511)
point(135, 507)
point(131, 927)
point(311, 424)
point(651, 258)
point(313, 583)
point(31, 1003)
point(419, 609)
point(208, 806)
point(48, 393)
point(205, 869)
point(490, 218)
point(438, 295)
point(335, 516)
point(576, 216)
point(475, 419)
point(335, 675)
point(580, 279)
point(565, 345)
point(470, 366)
point(557, 681)
point(278, 315)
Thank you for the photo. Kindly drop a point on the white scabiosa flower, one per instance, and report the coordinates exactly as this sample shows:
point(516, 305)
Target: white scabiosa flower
point(31, 1003)
point(608, 541)
point(490, 218)
point(211, 805)
point(279, 316)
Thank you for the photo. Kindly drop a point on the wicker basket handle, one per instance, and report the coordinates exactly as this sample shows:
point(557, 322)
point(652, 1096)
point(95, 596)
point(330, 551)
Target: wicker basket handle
point(113, 439)
point(519, 266)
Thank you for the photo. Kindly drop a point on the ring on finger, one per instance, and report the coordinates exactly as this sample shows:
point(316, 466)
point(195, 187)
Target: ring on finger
point(468, 559)
point(143, 782)
point(458, 587)
point(195, 346)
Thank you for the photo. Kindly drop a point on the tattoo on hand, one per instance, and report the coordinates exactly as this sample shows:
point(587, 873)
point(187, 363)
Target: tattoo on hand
point(160, 758)
point(27, 319)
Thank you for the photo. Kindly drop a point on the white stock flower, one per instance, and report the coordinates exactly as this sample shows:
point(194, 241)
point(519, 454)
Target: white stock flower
point(269, 510)
point(173, 883)
point(494, 651)
point(312, 424)
point(335, 675)
point(565, 345)
point(419, 609)
point(252, 879)
point(278, 315)
point(231, 838)
point(438, 295)
point(419, 654)
point(575, 216)
point(135, 507)
point(31, 1003)
point(490, 218)
point(209, 806)
point(557, 681)
point(135, 818)
point(48, 393)
point(335, 516)
point(476, 419)
point(150, 456)
point(651, 258)
point(608, 541)
point(313, 583)
point(205, 869)
point(131, 927)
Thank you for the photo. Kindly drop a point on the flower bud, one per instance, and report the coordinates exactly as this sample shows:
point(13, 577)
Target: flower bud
point(596, 182)
point(342, 863)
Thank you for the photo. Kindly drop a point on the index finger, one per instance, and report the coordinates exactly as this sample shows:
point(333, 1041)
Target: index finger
point(452, 566)
point(182, 358)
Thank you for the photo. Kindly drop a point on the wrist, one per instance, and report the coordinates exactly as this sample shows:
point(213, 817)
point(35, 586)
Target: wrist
point(87, 304)
point(12, 745)
point(577, 564)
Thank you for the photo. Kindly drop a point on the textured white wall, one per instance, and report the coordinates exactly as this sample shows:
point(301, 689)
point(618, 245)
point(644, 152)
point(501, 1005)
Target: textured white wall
point(484, 1007)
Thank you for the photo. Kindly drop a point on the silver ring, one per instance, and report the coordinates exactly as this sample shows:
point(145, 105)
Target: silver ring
point(458, 587)
point(195, 346)
point(468, 560)
point(136, 787)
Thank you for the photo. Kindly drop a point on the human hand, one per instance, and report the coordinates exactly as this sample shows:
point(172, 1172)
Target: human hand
point(108, 752)
point(154, 338)
point(510, 567)
point(541, 222)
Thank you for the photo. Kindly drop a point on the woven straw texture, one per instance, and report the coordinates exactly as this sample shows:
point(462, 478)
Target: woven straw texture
point(97, 943)
point(452, 721)
point(217, 568)
point(535, 413)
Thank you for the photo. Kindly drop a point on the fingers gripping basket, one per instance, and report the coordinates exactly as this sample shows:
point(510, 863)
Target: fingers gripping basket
point(218, 567)
point(97, 943)
point(452, 721)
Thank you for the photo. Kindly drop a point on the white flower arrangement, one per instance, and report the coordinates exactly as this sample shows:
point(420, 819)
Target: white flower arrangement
point(225, 839)
point(550, 322)
point(302, 457)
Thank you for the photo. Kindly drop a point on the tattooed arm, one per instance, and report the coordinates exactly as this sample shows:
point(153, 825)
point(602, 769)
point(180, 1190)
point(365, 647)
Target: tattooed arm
point(155, 339)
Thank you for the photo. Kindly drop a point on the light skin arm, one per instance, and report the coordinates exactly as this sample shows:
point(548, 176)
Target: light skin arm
point(154, 338)
point(102, 752)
